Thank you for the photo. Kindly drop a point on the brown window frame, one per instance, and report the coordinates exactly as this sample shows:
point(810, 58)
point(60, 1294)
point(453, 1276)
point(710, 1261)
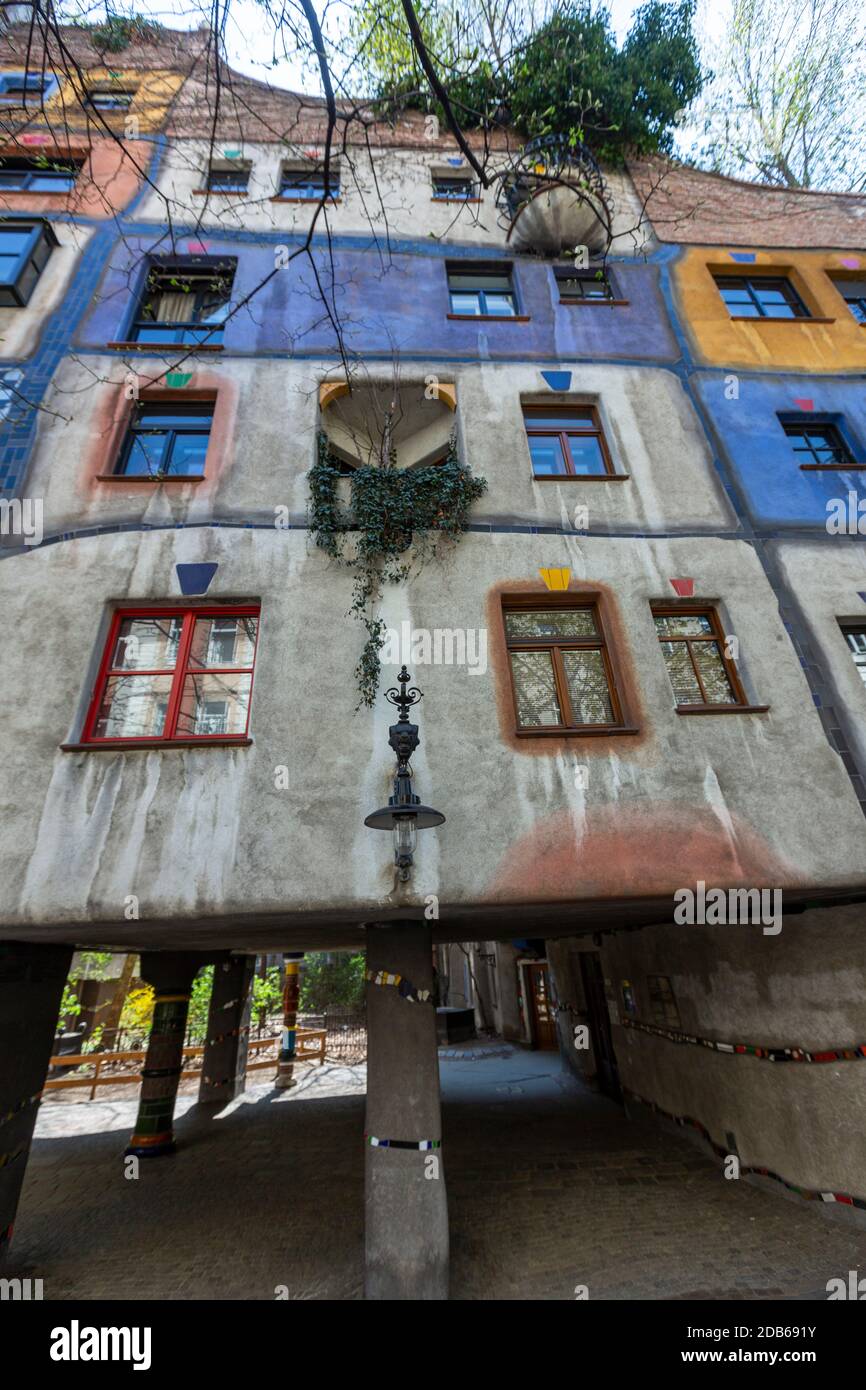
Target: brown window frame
point(543, 603)
point(594, 431)
point(717, 636)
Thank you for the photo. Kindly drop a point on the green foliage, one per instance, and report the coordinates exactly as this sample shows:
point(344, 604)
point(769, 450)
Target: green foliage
point(199, 1005)
point(118, 31)
point(399, 517)
point(91, 965)
point(267, 993)
point(331, 978)
point(568, 77)
point(70, 1006)
point(137, 1016)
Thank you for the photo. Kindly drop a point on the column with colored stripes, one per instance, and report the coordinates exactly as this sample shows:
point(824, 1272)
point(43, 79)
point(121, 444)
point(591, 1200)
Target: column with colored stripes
point(291, 994)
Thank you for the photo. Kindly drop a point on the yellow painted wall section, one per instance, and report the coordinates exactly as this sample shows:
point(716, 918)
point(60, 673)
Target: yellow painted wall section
point(154, 93)
point(831, 341)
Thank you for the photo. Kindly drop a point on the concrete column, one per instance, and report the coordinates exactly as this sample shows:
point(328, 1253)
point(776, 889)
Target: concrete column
point(291, 994)
point(224, 1066)
point(31, 987)
point(171, 973)
point(406, 1205)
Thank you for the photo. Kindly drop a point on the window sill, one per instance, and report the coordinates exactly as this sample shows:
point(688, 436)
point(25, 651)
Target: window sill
point(581, 477)
point(489, 318)
point(121, 745)
point(749, 318)
point(144, 478)
point(588, 731)
point(606, 303)
point(722, 709)
point(311, 202)
point(158, 349)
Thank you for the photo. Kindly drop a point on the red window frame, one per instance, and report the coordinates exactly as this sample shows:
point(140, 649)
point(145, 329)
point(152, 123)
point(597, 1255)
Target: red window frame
point(178, 673)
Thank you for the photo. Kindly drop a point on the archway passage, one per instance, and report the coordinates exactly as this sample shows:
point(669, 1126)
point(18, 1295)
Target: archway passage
point(550, 1188)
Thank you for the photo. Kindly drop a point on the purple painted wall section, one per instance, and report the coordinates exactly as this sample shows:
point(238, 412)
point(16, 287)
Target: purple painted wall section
point(403, 306)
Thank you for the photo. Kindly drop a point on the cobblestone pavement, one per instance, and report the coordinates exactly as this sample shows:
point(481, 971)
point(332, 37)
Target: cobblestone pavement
point(549, 1187)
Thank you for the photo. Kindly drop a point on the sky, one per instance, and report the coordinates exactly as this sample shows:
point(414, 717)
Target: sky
point(249, 33)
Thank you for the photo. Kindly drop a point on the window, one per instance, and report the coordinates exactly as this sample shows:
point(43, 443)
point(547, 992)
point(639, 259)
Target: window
point(234, 180)
point(693, 646)
point(770, 297)
point(39, 175)
point(109, 98)
point(856, 639)
point(566, 442)
point(662, 1001)
point(481, 291)
point(854, 294)
point(582, 284)
point(308, 184)
point(24, 251)
point(451, 186)
point(817, 445)
point(174, 674)
point(185, 303)
point(560, 668)
point(20, 89)
point(166, 440)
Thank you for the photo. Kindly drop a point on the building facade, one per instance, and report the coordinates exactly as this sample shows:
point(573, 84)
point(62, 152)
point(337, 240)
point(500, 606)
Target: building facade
point(641, 663)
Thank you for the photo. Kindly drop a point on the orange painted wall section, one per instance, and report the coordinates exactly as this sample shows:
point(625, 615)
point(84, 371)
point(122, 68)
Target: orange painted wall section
point(109, 179)
point(832, 341)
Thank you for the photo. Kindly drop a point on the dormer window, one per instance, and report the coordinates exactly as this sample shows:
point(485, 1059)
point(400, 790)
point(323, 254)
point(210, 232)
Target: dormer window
point(185, 302)
point(110, 98)
point(25, 89)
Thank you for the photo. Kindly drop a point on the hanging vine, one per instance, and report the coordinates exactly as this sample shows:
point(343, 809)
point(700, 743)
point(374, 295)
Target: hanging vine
point(398, 517)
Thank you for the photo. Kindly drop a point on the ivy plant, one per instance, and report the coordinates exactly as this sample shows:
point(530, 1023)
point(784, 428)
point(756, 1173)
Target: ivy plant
point(398, 518)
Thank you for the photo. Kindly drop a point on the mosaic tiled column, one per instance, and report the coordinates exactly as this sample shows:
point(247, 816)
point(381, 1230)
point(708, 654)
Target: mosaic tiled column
point(224, 1067)
point(406, 1210)
point(171, 973)
point(291, 993)
point(31, 987)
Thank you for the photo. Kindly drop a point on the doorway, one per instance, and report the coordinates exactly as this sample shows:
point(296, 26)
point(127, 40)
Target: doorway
point(543, 1018)
point(599, 1024)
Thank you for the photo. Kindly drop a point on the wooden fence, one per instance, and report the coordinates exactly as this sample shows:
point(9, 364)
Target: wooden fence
point(309, 1043)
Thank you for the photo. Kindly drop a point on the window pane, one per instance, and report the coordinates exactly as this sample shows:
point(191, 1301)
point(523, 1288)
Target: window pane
point(13, 243)
point(568, 418)
point(465, 304)
point(766, 295)
point(146, 457)
point(557, 623)
point(479, 281)
point(586, 453)
point(167, 415)
point(500, 304)
point(682, 625)
point(147, 644)
point(8, 265)
point(587, 687)
point(779, 311)
point(687, 691)
point(535, 689)
point(133, 707)
point(188, 454)
point(52, 183)
point(214, 704)
point(709, 662)
point(223, 642)
point(547, 457)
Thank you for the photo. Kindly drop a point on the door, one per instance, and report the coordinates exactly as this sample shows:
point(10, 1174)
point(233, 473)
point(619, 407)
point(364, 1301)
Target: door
point(599, 1024)
point(541, 1007)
